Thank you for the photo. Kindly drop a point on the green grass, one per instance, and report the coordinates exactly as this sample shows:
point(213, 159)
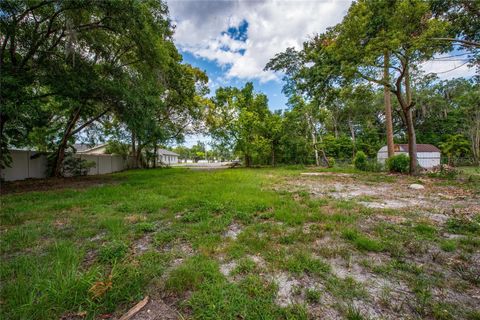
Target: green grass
point(361, 241)
point(59, 247)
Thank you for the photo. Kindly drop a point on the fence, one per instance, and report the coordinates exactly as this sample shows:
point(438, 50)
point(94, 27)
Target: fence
point(25, 165)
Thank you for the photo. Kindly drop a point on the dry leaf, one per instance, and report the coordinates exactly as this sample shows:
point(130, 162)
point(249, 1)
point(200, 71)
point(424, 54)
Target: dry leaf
point(99, 288)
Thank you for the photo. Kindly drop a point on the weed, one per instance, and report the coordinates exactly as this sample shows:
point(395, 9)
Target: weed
point(144, 227)
point(448, 245)
point(354, 314)
point(191, 274)
point(463, 226)
point(303, 262)
point(313, 295)
point(112, 251)
point(362, 242)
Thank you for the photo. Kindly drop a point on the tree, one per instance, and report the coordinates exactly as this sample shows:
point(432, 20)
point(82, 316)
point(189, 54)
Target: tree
point(454, 147)
point(237, 120)
point(359, 45)
point(70, 64)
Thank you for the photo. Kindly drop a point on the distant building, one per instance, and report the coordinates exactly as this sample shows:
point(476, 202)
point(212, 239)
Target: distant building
point(428, 156)
point(167, 156)
point(100, 149)
point(80, 147)
point(163, 156)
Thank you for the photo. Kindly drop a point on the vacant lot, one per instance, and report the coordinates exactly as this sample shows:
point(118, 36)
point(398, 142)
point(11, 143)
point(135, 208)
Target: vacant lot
point(243, 244)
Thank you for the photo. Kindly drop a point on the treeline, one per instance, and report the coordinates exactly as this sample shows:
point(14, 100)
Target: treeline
point(97, 71)
point(359, 86)
point(83, 69)
point(447, 115)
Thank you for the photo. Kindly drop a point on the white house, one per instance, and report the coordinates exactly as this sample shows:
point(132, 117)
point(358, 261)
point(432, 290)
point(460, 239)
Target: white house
point(167, 156)
point(428, 156)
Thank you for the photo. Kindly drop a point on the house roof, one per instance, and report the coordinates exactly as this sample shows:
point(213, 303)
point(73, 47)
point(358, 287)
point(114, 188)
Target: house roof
point(92, 149)
point(167, 152)
point(80, 147)
point(420, 148)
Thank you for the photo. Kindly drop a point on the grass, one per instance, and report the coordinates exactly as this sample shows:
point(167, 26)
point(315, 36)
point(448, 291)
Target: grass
point(102, 248)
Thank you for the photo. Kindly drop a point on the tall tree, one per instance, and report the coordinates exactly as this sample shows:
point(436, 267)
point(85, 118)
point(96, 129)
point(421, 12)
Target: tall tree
point(238, 119)
point(359, 46)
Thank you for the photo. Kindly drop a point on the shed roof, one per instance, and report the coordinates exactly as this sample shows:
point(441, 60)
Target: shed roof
point(420, 148)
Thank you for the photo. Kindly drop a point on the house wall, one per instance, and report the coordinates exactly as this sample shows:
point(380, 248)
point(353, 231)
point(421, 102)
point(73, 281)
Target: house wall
point(24, 167)
point(168, 159)
point(426, 160)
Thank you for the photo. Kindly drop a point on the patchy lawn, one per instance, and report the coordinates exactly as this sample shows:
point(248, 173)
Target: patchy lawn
point(243, 244)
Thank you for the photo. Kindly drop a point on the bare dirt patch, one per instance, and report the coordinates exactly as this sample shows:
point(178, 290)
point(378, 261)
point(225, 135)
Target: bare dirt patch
point(31, 185)
point(389, 195)
point(233, 231)
point(286, 286)
point(227, 268)
point(156, 309)
point(142, 244)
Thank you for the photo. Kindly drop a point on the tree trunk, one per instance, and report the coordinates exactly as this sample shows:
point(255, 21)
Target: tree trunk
point(138, 155)
point(3, 120)
point(388, 105)
point(314, 142)
point(474, 134)
point(60, 154)
point(248, 161)
point(155, 155)
point(412, 139)
point(134, 151)
point(412, 142)
point(352, 133)
point(314, 139)
point(273, 154)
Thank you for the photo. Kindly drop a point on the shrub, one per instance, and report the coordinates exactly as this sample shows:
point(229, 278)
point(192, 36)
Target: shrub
point(360, 161)
point(399, 163)
point(73, 166)
point(374, 166)
point(331, 162)
point(444, 172)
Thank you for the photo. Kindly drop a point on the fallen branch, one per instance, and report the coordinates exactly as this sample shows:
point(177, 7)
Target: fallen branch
point(135, 309)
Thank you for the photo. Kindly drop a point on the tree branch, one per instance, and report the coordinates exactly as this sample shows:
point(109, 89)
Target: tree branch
point(466, 43)
point(89, 122)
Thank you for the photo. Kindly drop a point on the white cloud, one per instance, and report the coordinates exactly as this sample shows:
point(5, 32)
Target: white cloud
point(446, 68)
point(273, 26)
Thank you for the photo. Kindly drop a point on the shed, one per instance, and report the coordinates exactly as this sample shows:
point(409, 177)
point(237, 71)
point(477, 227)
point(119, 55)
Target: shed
point(167, 156)
point(428, 155)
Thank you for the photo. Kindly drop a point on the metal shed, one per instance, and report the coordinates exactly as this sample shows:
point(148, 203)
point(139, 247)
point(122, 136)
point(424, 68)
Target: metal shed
point(428, 155)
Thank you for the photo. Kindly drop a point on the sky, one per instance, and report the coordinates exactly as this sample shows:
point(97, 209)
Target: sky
point(233, 40)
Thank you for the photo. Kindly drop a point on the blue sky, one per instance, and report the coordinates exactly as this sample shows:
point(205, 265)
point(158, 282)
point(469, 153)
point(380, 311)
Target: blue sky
point(232, 40)
point(216, 74)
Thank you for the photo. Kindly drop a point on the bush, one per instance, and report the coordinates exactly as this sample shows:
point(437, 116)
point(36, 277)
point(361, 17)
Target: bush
point(360, 161)
point(73, 166)
point(443, 171)
point(331, 162)
point(374, 166)
point(399, 163)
